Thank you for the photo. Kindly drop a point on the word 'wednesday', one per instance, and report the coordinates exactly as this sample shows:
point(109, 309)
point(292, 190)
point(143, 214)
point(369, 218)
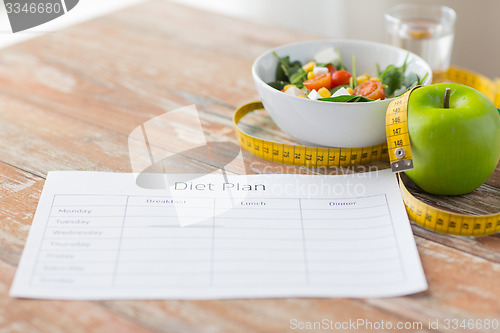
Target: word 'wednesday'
point(181, 186)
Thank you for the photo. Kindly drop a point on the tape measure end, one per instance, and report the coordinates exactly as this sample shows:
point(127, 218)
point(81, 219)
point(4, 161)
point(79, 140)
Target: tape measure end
point(402, 165)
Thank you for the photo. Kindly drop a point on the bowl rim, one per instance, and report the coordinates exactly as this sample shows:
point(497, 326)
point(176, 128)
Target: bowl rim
point(347, 41)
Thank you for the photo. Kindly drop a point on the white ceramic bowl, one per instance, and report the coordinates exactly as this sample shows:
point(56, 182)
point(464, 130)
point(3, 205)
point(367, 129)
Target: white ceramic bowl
point(332, 124)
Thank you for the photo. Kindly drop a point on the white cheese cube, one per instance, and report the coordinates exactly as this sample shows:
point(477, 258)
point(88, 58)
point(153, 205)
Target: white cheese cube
point(340, 92)
point(320, 70)
point(294, 91)
point(314, 95)
point(328, 55)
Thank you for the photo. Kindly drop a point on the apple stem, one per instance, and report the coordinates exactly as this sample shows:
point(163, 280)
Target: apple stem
point(446, 103)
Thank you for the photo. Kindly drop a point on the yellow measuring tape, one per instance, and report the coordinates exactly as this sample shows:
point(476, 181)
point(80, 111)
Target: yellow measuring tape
point(303, 155)
point(397, 150)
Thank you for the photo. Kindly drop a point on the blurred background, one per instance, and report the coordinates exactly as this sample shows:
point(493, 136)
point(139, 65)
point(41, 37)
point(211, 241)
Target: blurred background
point(477, 29)
point(476, 46)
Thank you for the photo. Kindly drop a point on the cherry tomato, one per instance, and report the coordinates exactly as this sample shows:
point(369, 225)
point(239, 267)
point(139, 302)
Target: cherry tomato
point(340, 78)
point(370, 89)
point(331, 68)
point(318, 82)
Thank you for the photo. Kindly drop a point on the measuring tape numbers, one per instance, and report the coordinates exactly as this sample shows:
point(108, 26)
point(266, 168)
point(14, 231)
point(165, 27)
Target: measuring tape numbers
point(303, 155)
point(398, 137)
point(397, 150)
point(442, 221)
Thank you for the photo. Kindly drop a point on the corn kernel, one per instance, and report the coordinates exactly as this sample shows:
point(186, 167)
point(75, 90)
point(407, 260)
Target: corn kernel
point(374, 78)
point(288, 86)
point(362, 78)
point(350, 91)
point(309, 66)
point(325, 93)
point(310, 75)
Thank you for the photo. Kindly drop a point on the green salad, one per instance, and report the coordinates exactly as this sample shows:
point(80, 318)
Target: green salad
point(326, 78)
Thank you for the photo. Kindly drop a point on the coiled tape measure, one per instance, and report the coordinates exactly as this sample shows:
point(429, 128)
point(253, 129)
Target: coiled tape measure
point(397, 150)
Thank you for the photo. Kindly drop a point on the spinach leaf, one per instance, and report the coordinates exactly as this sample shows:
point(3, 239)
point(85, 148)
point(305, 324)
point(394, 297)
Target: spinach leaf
point(411, 80)
point(286, 68)
point(346, 99)
point(298, 77)
point(393, 78)
point(278, 84)
point(280, 74)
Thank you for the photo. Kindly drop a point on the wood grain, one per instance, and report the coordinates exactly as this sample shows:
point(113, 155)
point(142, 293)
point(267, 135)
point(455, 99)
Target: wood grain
point(69, 100)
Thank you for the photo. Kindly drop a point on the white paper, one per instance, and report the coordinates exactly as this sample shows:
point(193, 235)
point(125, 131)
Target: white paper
point(98, 235)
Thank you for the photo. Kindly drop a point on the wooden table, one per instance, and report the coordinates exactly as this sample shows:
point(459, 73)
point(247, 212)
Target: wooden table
point(68, 101)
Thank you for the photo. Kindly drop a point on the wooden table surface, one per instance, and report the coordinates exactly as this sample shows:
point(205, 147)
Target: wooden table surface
point(68, 101)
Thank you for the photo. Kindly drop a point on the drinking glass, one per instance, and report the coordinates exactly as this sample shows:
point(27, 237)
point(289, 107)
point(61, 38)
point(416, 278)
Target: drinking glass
point(424, 29)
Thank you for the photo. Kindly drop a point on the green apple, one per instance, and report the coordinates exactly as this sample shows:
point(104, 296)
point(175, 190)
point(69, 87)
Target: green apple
point(455, 148)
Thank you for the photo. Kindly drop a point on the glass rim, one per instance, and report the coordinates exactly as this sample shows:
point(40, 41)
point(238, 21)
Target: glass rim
point(446, 12)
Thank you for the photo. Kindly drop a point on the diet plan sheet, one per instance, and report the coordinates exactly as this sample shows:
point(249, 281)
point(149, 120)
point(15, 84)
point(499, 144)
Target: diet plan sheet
point(98, 235)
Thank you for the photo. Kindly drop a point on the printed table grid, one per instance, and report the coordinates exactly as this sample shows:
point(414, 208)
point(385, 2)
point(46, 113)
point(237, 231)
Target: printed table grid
point(264, 241)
